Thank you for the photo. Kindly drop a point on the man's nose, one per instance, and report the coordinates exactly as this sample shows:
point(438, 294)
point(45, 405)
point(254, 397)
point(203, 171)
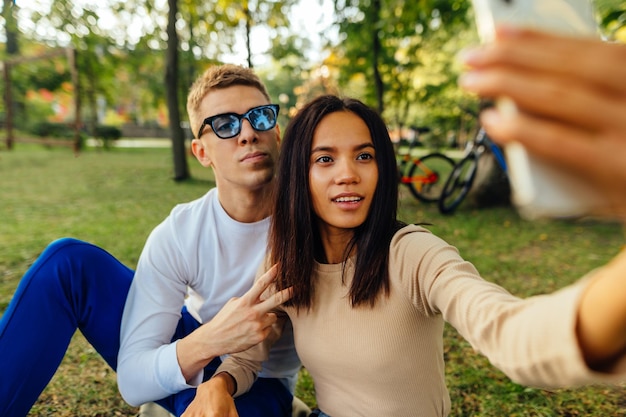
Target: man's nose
point(247, 134)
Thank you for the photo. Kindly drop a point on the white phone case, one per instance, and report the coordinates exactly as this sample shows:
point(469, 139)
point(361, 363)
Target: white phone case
point(541, 190)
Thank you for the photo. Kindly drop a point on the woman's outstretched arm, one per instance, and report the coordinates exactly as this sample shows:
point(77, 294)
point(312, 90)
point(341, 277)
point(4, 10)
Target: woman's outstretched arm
point(571, 111)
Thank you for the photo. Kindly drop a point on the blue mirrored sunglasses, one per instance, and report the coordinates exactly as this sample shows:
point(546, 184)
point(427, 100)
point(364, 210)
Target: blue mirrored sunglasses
point(228, 125)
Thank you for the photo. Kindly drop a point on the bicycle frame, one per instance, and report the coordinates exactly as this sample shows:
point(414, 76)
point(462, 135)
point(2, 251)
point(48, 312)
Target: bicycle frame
point(463, 175)
point(483, 139)
point(424, 176)
point(430, 176)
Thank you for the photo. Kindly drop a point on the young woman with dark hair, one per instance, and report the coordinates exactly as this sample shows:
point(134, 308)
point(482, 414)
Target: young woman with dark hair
point(371, 295)
point(297, 239)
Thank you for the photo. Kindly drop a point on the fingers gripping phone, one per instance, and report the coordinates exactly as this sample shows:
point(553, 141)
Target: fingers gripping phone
point(538, 189)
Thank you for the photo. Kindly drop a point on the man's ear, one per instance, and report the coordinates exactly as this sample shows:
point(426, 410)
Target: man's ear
point(198, 150)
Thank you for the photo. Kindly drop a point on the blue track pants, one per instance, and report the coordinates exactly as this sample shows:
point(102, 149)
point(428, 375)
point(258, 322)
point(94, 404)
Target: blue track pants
point(75, 285)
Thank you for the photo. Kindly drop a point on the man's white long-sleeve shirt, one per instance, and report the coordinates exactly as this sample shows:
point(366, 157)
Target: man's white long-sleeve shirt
point(199, 257)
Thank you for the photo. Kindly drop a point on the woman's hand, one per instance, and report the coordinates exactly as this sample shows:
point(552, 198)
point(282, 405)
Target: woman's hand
point(213, 399)
point(571, 99)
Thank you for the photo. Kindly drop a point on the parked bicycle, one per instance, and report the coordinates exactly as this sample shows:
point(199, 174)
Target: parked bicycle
point(424, 176)
point(462, 177)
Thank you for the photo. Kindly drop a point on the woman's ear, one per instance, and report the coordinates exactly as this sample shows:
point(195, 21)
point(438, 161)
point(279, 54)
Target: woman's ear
point(199, 151)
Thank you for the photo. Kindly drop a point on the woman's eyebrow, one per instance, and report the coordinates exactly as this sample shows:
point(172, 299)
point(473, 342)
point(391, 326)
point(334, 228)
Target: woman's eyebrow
point(323, 149)
point(326, 148)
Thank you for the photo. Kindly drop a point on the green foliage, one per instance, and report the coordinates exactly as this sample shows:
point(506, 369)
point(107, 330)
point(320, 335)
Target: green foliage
point(107, 132)
point(415, 63)
point(141, 76)
point(612, 18)
point(45, 74)
point(418, 42)
point(48, 74)
point(127, 69)
point(52, 130)
point(305, 389)
point(285, 75)
point(36, 113)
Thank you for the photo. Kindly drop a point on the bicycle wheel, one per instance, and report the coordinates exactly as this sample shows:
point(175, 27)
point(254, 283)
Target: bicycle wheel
point(458, 184)
point(427, 176)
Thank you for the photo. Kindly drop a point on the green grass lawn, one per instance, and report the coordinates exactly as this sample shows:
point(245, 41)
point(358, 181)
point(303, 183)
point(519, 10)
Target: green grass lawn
point(114, 199)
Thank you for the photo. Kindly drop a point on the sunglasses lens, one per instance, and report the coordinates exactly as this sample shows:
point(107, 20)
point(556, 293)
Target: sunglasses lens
point(263, 118)
point(226, 126)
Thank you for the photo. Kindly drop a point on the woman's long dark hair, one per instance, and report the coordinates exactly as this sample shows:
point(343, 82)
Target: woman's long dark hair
point(294, 233)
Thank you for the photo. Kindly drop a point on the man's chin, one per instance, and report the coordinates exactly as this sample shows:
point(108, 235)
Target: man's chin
point(263, 177)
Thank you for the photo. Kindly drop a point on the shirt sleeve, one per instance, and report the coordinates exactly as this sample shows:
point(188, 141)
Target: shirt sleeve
point(148, 367)
point(533, 340)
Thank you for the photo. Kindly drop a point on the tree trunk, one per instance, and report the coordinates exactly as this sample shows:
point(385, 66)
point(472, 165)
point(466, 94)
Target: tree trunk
point(12, 49)
point(90, 92)
point(181, 169)
point(10, 27)
point(8, 105)
point(246, 11)
point(378, 81)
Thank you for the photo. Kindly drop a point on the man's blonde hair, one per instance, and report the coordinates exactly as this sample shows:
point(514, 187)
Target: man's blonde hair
point(217, 77)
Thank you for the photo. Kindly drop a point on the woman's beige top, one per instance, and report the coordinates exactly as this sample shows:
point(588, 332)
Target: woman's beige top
point(387, 361)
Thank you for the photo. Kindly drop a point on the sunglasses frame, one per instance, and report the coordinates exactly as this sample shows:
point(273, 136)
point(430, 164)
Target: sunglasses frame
point(209, 120)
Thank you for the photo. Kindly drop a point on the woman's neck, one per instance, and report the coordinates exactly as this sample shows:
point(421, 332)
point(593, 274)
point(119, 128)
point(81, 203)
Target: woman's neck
point(335, 245)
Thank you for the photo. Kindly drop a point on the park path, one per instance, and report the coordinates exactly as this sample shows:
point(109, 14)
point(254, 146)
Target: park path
point(135, 143)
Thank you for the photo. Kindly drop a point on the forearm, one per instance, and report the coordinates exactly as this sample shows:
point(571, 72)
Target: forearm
point(601, 327)
point(148, 366)
point(140, 381)
point(195, 351)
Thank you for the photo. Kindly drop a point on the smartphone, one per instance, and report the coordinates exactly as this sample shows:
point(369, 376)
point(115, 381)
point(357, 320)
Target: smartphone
point(540, 190)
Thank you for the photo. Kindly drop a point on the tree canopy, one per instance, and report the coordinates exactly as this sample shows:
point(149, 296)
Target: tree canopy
point(397, 56)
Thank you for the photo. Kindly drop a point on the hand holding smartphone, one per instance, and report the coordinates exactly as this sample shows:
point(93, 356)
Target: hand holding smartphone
point(540, 190)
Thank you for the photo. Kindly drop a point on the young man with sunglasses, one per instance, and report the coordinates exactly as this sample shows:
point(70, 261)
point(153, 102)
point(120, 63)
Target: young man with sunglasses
point(191, 299)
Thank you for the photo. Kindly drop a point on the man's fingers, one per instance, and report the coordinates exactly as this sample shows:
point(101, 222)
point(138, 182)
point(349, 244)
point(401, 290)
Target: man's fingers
point(262, 284)
point(268, 321)
point(263, 295)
